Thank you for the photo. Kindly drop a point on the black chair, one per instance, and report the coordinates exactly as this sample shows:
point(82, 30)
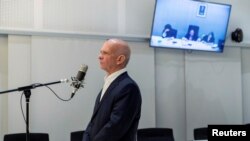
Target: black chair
point(174, 33)
point(76, 135)
point(201, 133)
point(22, 137)
point(195, 29)
point(155, 134)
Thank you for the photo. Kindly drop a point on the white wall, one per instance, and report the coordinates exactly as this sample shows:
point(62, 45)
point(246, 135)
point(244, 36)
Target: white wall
point(213, 89)
point(170, 91)
point(245, 83)
point(239, 17)
point(3, 84)
point(19, 74)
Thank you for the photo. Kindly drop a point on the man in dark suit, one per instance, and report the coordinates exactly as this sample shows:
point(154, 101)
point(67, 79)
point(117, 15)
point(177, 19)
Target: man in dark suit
point(118, 106)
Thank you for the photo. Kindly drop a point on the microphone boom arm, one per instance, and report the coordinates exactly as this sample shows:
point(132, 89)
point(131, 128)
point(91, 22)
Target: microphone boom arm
point(27, 93)
point(32, 86)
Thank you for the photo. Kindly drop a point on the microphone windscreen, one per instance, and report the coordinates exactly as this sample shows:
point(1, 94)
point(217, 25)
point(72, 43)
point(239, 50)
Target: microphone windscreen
point(81, 73)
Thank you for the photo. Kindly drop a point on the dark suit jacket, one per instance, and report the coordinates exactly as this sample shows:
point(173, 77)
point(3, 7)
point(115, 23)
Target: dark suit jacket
point(116, 116)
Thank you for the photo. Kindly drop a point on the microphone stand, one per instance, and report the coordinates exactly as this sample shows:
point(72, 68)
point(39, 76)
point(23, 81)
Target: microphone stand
point(27, 92)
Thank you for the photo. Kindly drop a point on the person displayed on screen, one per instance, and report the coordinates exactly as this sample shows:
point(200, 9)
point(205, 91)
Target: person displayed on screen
point(209, 38)
point(192, 33)
point(117, 107)
point(168, 32)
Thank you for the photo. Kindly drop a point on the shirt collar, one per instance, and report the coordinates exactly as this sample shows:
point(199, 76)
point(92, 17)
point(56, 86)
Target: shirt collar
point(114, 75)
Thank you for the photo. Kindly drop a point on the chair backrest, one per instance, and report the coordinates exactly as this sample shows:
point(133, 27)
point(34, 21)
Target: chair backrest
point(155, 134)
point(22, 137)
point(76, 136)
point(174, 33)
point(195, 28)
point(201, 133)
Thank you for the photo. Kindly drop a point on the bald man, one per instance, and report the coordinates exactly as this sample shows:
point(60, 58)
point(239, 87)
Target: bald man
point(118, 106)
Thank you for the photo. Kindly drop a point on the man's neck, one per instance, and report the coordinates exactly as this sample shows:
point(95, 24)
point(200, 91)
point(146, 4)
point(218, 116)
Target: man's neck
point(113, 71)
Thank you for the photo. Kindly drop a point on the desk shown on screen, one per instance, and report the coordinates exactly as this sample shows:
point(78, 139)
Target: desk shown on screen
point(183, 44)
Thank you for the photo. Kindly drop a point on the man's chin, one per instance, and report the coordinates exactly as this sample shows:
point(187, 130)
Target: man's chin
point(101, 67)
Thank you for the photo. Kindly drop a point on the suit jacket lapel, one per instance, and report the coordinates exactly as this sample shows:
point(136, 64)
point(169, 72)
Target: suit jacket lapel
point(98, 102)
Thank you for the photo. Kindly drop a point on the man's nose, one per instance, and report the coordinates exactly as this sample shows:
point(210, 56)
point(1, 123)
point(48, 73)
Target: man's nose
point(100, 56)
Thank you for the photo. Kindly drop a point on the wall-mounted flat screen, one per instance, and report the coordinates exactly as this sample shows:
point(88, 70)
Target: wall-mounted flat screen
point(190, 24)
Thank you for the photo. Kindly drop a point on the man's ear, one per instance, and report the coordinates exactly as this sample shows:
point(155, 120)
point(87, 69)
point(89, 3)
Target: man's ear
point(121, 59)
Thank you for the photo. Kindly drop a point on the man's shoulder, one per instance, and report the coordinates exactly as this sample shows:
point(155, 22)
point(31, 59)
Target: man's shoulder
point(125, 77)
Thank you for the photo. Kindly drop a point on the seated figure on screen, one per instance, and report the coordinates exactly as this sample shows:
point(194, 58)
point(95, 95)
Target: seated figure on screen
point(169, 32)
point(209, 38)
point(192, 33)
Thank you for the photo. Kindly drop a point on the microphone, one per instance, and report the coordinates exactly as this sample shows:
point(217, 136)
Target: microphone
point(77, 81)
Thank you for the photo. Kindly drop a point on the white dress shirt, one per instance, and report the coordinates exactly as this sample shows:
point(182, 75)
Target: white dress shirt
point(109, 79)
